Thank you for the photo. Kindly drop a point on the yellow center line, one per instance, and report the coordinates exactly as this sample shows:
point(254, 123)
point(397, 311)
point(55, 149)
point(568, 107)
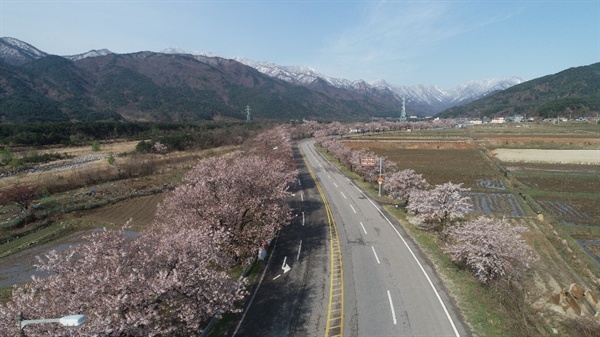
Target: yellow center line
point(335, 313)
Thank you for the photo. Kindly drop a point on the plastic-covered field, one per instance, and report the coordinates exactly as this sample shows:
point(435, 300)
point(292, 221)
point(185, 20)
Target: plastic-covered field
point(496, 204)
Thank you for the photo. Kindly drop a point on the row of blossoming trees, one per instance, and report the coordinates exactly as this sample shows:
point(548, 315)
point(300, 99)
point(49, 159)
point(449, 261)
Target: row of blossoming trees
point(493, 249)
point(170, 279)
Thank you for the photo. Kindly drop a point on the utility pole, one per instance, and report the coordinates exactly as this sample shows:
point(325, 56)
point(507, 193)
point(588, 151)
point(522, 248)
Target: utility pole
point(380, 179)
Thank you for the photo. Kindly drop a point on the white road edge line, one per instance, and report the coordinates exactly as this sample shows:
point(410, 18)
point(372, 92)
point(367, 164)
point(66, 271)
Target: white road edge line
point(299, 249)
point(363, 227)
point(392, 307)
point(256, 289)
point(353, 208)
point(376, 258)
point(420, 266)
point(456, 333)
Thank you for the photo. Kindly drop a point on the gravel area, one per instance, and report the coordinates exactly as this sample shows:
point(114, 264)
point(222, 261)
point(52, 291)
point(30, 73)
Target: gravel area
point(76, 162)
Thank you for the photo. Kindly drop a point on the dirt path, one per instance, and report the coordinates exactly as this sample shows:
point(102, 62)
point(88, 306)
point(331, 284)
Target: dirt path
point(548, 156)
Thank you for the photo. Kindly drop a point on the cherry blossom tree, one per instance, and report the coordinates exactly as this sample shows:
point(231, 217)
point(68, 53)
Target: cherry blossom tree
point(243, 197)
point(160, 148)
point(371, 173)
point(337, 128)
point(355, 160)
point(401, 183)
point(275, 143)
point(440, 205)
point(306, 129)
point(339, 150)
point(161, 283)
point(492, 248)
point(170, 279)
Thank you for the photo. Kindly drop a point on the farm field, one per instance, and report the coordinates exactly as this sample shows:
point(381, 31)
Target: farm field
point(558, 201)
point(438, 162)
point(139, 210)
point(66, 214)
point(548, 156)
point(513, 170)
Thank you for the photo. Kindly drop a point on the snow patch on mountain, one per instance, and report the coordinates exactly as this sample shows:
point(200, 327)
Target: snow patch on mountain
point(193, 53)
point(91, 53)
point(422, 99)
point(423, 95)
point(426, 98)
point(17, 52)
point(475, 89)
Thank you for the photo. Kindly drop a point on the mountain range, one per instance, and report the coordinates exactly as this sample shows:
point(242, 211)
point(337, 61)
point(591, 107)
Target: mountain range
point(421, 100)
point(178, 85)
point(571, 93)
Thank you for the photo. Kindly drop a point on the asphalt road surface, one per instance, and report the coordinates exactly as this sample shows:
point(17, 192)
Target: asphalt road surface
point(291, 299)
point(389, 289)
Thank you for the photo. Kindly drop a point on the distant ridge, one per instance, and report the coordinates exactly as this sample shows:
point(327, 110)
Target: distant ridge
point(16, 52)
point(91, 53)
point(175, 85)
point(421, 100)
point(571, 93)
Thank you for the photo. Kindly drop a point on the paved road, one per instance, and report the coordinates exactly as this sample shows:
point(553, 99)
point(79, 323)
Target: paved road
point(390, 289)
point(293, 303)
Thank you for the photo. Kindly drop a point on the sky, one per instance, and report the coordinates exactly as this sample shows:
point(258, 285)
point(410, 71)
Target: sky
point(444, 43)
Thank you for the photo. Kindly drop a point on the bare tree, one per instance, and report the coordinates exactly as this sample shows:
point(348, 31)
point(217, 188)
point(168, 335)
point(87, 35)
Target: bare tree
point(23, 195)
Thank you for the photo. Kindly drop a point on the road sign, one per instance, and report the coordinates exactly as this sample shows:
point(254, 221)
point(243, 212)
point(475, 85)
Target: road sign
point(368, 161)
point(380, 180)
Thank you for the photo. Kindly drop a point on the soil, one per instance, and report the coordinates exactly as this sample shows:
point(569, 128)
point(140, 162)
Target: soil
point(140, 210)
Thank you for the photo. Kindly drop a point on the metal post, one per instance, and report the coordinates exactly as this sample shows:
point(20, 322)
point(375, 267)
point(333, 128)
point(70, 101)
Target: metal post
point(21, 332)
point(380, 165)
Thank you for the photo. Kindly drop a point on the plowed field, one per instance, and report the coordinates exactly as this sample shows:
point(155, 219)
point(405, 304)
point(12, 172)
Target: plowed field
point(141, 210)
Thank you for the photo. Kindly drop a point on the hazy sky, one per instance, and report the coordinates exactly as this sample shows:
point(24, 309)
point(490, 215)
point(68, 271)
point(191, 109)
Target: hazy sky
point(444, 42)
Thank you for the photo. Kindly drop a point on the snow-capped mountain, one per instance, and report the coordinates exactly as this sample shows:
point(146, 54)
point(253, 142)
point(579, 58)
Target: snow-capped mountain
point(420, 100)
point(417, 97)
point(475, 89)
point(16, 52)
point(91, 53)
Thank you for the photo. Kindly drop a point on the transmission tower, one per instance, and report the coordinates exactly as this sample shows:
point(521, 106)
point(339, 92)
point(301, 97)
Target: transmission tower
point(403, 113)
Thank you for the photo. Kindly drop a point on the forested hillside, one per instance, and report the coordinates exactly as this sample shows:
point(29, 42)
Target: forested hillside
point(148, 86)
point(572, 92)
